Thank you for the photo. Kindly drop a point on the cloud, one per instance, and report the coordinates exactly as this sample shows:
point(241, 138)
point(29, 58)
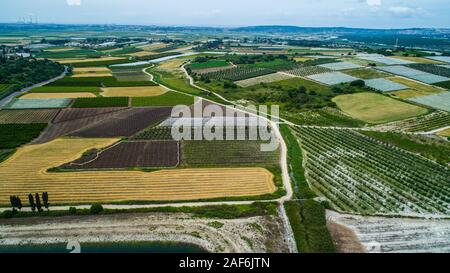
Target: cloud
point(73, 2)
point(373, 3)
point(405, 12)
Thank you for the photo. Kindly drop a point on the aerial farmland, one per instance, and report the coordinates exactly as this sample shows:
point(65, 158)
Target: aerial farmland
point(253, 139)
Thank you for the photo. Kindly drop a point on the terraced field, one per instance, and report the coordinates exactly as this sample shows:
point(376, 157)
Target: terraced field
point(360, 175)
point(25, 172)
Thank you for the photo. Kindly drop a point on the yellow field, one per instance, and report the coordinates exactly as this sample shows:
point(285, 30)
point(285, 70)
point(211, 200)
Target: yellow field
point(171, 64)
point(417, 59)
point(302, 59)
point(69, 95)
point(145, 91)
point(445, 133)
point(26, 172)
point(153, 46)
point(69, 61)
point(141, 53)
point(80, 70)
point(417, 89)
point(375, 108)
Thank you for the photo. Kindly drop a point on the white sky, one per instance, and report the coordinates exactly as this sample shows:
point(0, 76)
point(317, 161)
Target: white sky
point(349, 13)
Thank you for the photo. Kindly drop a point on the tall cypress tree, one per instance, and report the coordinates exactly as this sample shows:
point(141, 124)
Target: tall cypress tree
point(32, 204)
point(38, 202)
point(45, 200)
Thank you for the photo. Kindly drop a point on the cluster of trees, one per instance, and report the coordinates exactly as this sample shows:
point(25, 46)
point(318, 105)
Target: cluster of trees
point(34, 202)
point(25, 72)
point(251, 59)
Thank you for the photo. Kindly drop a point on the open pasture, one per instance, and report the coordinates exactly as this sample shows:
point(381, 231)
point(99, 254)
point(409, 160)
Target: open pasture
point(38, 103)
point(125, 123)
point(135, 154)
point(385, 85)
point(332, 78)
point(413, 74)
point(275, 77)
point(24, 172)
point(147, 91)
point(59, 95)
point(359, 174)
point(367, 107)
point(438, 101)
point(27, 116)
point(416, 89)
point(341, 66)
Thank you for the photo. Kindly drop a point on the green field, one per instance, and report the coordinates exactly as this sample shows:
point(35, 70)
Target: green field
point(125, 50)
point(15, 135)
point(366, 73)
point(5, 89)
point(98, 82)
point(445, 85)
point(65, 89)
point(100, 63)
point(167, 99)
point(101, 102)
point(208, 64)
point(308, 222)
point(226, 153)
point(295, 161)
point(75, 53)
point(433, 149)
point(375, 108)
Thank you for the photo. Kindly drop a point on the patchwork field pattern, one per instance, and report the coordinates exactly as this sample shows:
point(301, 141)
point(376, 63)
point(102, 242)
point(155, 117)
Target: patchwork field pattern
point(367, 73)
point(384, 85)
point(360, 175)
point(27, 116)
point(414, 74)
point(125, 123)
point(135, 154)
point(439, 101)
point(38, 103)
point(24, 172)
point(340, 66)
point(263, 79)
point(332, 78)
